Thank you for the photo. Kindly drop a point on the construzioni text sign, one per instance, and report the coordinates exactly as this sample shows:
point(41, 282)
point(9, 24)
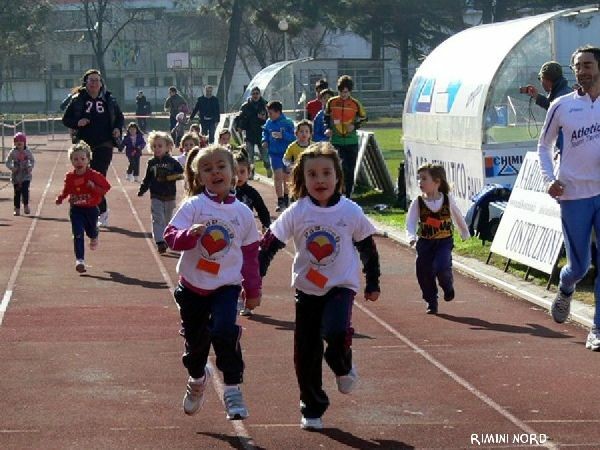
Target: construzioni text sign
point(530, 231)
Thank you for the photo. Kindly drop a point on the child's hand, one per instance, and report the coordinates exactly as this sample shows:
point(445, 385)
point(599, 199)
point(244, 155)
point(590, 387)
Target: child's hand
point(349, 127)
point(372, 296)
point(58, 201)
point(91, 184)
point(197, 229)
point(252, 303)
point(328, 132)
point(265, 146)
point(412, 243)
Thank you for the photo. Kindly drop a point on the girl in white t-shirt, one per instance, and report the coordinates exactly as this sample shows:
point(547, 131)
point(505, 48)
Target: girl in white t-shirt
point(429, 224)
point(218, 240)
point(326, 228)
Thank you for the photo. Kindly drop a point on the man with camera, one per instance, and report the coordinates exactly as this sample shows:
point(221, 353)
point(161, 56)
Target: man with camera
point(553, 82)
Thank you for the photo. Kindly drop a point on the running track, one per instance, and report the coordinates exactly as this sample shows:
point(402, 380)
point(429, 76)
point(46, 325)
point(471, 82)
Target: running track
point(93, 361)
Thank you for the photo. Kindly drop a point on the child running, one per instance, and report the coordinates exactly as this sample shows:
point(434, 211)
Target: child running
point(278, 133)
point(188, 142)
point(303, 134)
point(252, 199)
point(429, 224)
point(20, 162)
point(218, 240)
point(134, 144)
point(326, 227)
point(162, 173)
point(85, 188)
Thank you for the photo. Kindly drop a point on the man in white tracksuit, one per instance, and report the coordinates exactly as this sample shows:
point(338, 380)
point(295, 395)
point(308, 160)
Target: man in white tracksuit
point(576, 184)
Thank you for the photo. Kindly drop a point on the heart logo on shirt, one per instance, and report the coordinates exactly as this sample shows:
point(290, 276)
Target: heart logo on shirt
point(320, 249)
point(213, 242)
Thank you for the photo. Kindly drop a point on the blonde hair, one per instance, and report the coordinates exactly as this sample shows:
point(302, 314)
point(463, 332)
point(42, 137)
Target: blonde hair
point(192, 167)
point(154, 135)
point(80, 147)
point(437, 173)
point(313, 151)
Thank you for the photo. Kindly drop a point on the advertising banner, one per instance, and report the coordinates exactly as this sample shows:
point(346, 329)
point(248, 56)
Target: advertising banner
point(530, 231)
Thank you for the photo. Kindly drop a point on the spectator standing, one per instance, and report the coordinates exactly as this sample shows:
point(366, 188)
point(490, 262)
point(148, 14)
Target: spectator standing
point(315, 105)
point(343, 116)
point(553, 82)
point(207, 107)
point(251, 119)
point(97, 120)
point(142, 110)
point(174, 104)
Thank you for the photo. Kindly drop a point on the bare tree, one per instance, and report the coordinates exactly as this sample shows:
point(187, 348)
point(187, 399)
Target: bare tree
point(105, 20)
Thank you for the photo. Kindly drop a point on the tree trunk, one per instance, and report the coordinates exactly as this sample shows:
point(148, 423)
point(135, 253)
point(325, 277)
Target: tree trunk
point(376, 43)
point(233, 43)
point(404, 62)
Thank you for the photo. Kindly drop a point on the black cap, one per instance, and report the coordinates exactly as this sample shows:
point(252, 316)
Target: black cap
point(551, 70)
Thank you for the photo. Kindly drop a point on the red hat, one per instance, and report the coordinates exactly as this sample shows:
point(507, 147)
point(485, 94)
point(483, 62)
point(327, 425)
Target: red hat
point(20, 137)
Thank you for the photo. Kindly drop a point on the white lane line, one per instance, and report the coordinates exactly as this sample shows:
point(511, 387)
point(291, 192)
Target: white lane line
point(240, 430)
point(17, 267)
point(454, 376)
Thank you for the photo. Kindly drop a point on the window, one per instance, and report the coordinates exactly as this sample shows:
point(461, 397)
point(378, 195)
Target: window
point(153, 81)
point(58, 84)
point(139, 82)
point(167, 81)
point(213, 80)
point(80, 63)
point(197, 80)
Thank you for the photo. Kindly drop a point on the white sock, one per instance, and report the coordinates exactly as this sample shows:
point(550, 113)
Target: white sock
point(231, 387)
point(198, 380)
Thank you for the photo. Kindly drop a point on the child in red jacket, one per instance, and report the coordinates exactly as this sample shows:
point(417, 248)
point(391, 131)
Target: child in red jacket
point(85, 188)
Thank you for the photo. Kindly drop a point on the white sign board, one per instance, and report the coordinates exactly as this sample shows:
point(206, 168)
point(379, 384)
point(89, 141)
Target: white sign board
point(530, 231)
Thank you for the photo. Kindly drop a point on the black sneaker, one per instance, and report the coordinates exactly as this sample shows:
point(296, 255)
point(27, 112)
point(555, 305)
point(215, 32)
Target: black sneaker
point(432, 309)
point(162, 247)
point(449, 296)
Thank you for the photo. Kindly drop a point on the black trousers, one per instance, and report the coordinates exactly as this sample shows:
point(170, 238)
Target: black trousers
point(101, 158)
point(349, 155)
point(318, 318)
point(207, 320)
point(209, 126)
point(21, 192)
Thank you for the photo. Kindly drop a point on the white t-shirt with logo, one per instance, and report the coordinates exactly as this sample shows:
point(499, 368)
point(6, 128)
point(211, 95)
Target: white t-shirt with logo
point(324, 240)
point(579, 170)
point(217, 258)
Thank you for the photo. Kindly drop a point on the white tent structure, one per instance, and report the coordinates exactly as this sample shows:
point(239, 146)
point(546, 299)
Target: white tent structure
point(463, 108)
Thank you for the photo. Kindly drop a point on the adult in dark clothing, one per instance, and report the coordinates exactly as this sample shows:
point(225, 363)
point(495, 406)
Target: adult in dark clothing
point(207, 107)
point(142, 109)
point(174, 104)
point(554, 83)
point(251, 119)
point(97, 119)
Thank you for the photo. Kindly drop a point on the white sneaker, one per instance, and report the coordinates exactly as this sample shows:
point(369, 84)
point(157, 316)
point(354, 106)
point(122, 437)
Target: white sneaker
point(103, 219)
point(129, 177)
point(194, 394)
point(593, 340)
point(80, 265)
point(234, 404)
point(347, 383)
point(311, 424)
point(136, 179)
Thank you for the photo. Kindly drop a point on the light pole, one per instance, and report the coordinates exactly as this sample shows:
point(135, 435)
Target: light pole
point(283, 26)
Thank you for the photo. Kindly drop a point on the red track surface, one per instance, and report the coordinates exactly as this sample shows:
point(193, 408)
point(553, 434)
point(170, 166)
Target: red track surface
point(93, 361)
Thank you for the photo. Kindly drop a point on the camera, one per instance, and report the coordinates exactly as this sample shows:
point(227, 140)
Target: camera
point(523, 89)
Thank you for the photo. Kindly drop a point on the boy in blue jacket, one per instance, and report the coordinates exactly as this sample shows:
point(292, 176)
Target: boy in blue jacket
point(278, 134)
